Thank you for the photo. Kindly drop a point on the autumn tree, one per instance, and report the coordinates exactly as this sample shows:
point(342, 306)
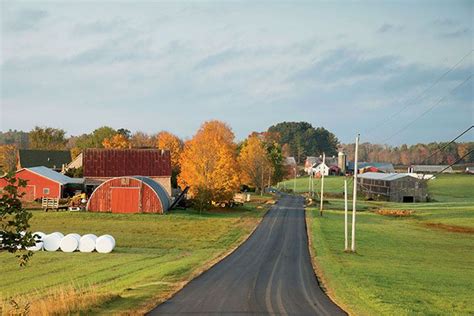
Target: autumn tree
point(255, 165)
point(7, 158)
point(142, 140)
point(209, 163)
point(117, 141)
point(47, 138)
point(168, 141)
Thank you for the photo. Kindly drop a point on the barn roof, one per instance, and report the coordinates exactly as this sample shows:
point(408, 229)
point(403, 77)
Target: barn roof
point(55, 176)
point(49, 158)
point(432, 168)
point(383, 176)
point(383, 166)
point(159, 190)
point(111, 163)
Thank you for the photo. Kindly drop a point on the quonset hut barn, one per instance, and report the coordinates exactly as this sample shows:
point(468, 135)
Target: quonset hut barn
point(132, 194)
point(394, 187)
point(104, 164)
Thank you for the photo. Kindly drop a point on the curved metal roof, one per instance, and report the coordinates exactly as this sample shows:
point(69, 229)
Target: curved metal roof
point(159, 190)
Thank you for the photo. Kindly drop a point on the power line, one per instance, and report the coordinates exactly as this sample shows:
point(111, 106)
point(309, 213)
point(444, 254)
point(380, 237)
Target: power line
point(446, 145)
point(428, 110)
point(449, 166)
point(389, 118)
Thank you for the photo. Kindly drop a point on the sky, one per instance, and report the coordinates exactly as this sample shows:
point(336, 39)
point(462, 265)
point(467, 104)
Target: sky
point(394, 71)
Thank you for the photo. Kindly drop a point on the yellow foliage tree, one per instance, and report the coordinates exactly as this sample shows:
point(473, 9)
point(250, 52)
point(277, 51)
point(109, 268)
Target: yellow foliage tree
point(7, 158)
point(209, 162)
point(117, 141)
point(256, 168)
point(171, 142)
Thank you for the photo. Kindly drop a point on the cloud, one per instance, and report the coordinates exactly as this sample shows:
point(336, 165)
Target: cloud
point(460, 32)
point(99, 26)
point(26, 19)
point(218, 58)
point(445, 22)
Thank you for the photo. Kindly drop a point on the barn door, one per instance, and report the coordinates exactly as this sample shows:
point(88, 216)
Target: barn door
point(125, 200)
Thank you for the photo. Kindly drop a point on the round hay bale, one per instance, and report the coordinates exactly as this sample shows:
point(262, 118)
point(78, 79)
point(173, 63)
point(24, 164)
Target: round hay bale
point(77, 236)
point(105, 244)
point(39, 236)
point(51, 242)
point(69, 243)
point(87, 243)
point(60, 235)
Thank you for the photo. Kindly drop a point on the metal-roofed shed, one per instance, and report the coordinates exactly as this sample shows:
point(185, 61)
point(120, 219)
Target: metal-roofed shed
point(394, 187)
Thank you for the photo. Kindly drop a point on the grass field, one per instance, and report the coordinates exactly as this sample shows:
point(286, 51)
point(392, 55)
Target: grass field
point(155, 254)
point(419, 264)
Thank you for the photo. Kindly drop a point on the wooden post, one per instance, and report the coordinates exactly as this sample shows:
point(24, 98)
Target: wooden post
point(354, 197)
point(346, 237)
point(294, 181)
point(322, 185)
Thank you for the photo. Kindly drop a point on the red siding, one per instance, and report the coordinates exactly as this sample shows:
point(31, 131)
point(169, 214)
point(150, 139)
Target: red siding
point(35, 186)
point(119, 195)
point(126, 162)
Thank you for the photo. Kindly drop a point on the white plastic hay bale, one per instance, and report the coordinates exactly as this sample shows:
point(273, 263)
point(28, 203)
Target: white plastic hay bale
point(58, 234)
point(105, 244)
point(38, 236)
point(77, 236)
point(87, 243)
point(69, 243)
point(51, 242)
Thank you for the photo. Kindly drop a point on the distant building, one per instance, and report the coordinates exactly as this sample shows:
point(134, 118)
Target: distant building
point(430, 169)
point(104, 164)
point(320, 169)
point(44, 182)
point(381, 166)
point(393, 187)
point(76, 163)
point(53, 159)
point(312, 162)
point(290, 167)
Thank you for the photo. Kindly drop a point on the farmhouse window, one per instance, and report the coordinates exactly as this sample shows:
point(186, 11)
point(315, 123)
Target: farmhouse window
point(45, 190)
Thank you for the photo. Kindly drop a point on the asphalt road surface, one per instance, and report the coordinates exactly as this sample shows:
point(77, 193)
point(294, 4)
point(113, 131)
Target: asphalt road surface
point(270, 274)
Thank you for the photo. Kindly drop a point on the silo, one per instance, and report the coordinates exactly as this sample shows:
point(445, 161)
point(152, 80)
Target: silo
point(341, 161)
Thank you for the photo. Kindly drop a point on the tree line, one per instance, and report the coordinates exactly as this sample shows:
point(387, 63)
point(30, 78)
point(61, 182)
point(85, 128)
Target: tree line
point(413, 154)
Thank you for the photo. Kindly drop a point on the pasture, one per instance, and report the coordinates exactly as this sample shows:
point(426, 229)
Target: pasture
point(155, 256)
point(417, 264)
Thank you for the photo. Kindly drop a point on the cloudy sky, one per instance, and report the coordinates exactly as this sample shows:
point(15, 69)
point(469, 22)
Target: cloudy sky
point(398, 72)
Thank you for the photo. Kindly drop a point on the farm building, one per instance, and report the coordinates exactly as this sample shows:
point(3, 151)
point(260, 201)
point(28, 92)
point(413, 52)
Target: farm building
point(290, 167)
point(312, 162)
point(76, 163)
point(319, 170)
point(104, 164)
point(44, 182)
point(133, 194)
point(53, 159)
point(394, 187)
point(380, 166)
point(430, 169)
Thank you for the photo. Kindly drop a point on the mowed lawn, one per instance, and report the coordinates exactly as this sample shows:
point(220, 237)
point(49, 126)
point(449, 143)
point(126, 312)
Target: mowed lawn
point(421, 264)
point(154, 255)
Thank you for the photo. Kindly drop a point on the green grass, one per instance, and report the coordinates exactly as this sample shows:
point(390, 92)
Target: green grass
point(154, 254)
point(403, 266)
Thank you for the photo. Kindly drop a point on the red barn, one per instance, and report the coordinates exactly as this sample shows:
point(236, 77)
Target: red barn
point(43, 182)
point(103, 164)
point(129, 195)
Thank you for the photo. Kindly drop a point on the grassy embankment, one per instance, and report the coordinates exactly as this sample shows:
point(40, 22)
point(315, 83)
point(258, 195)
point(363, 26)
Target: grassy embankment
point(418, 264)
point(155, 256)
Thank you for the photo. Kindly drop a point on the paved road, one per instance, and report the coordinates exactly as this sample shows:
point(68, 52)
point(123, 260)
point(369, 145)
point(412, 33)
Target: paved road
point(270, 274)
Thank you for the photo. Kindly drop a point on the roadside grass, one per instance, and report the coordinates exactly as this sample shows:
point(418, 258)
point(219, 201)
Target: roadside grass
point(418, 264)
point(155, 256)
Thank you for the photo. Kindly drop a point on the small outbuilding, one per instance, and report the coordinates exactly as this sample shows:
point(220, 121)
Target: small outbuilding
point(393, 187)
point(430, 169)
point(44, 182)
point(131, 194)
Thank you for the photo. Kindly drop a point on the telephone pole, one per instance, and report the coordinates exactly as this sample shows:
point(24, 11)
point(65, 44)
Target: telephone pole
point(322, 184)
point(354, 197)
point(346, 237)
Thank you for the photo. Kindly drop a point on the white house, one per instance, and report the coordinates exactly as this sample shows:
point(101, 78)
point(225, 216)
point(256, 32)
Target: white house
point(320, 169)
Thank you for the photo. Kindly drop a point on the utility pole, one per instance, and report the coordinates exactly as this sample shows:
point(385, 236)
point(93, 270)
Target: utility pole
point(346, 237)
point(294, 181)
point(322, 184)
point(354, 197)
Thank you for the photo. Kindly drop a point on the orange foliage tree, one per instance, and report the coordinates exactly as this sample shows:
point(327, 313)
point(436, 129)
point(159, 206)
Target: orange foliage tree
point(256, 168)
point(209, 163)
point(116, 141)
point(171, 142)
